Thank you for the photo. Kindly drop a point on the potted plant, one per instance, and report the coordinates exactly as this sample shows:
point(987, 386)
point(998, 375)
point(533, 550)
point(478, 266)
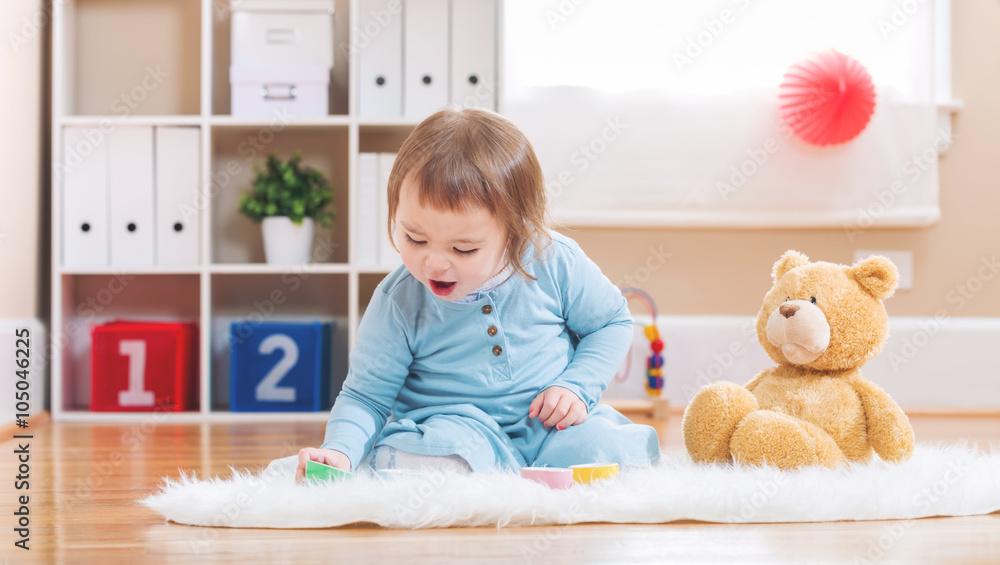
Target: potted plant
point(286, 198)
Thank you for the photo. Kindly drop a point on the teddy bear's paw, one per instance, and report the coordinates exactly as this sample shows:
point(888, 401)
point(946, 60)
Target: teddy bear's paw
point(828, 453)
point(769, 438)
point(711, 418)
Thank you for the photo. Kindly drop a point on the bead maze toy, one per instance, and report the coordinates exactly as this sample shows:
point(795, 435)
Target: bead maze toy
point(656, 404)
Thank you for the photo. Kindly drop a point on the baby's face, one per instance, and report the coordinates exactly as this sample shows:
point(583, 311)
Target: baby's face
point(451, 253)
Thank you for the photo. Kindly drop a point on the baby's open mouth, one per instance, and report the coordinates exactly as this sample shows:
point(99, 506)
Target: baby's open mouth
point(442, 288)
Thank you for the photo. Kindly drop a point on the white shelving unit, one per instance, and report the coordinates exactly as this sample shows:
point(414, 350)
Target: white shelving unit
point(101, 51)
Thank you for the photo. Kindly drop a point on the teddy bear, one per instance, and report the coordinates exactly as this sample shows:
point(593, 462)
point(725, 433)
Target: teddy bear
point(820, 322)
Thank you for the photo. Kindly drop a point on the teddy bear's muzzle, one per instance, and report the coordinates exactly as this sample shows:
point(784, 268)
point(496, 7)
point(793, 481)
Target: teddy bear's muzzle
point(800, 330)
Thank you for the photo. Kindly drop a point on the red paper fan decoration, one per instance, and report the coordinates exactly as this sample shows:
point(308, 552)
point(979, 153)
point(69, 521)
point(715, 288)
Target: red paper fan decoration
point(827, 98)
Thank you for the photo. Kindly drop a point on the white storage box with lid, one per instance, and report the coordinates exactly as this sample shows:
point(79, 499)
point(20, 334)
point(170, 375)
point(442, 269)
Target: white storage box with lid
point(282, 32)
point(264, 92)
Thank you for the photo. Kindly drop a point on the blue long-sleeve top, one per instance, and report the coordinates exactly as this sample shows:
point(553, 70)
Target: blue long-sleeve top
point(477, 366)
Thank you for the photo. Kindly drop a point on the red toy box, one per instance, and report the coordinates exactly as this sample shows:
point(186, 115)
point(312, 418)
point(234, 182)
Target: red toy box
point(144, 366)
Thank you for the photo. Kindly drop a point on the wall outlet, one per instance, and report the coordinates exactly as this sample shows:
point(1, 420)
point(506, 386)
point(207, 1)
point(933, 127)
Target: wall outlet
point(902, 259)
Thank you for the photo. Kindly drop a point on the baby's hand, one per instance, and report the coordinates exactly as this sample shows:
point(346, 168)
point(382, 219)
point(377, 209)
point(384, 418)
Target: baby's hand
point(559, 407)
point(329, 457)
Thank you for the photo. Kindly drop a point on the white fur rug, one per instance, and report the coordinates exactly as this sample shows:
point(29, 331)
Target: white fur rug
point(954, 480)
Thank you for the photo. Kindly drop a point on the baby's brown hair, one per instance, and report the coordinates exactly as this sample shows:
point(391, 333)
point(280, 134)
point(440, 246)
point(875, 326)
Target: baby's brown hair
point(464, 158)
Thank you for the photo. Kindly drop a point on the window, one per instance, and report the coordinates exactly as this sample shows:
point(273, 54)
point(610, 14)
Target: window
point(646, 112)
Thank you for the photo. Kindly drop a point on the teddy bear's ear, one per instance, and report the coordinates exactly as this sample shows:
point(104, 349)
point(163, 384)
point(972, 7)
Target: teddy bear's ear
point(877, 275)
point(788, 261)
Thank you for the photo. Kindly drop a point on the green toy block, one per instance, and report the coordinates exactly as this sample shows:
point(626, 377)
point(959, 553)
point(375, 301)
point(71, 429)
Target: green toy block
point(318, 472)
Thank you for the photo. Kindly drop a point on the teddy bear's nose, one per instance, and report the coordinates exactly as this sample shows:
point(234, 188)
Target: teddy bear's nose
point(788, 310)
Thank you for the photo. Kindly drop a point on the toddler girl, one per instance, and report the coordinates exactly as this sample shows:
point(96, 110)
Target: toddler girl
point(491, 344)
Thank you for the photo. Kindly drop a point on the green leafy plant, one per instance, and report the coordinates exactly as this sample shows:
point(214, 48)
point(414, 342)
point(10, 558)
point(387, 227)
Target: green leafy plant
point(289, 189)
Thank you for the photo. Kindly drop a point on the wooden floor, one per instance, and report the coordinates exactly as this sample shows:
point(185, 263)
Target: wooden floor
point(85, 479)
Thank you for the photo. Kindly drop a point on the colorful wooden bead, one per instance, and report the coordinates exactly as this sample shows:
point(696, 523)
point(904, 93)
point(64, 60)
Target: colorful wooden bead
point(652, 333)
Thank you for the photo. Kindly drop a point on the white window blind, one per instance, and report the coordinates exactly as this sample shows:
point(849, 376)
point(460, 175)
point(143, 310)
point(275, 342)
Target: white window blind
point(646, 112)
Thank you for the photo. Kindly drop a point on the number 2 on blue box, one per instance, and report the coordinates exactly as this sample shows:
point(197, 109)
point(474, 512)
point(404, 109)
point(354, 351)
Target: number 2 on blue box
point(280, 367)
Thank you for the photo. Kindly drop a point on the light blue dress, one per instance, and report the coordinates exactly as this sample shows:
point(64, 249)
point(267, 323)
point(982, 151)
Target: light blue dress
point(434, 377)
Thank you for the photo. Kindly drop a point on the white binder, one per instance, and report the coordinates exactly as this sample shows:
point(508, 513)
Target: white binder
point(366, 212)
point(84, 197)
point(380, 59)
point(473, 53)
point(388, 256)
point(130, 194)
point(425, 63)
point(178, 223)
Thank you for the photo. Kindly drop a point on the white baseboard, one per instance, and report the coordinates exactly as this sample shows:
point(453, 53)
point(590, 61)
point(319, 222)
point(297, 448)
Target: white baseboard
point(11, 340)
point(928, 365)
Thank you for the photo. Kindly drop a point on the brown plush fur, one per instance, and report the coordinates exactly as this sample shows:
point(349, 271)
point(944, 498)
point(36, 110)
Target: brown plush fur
point(820, 322)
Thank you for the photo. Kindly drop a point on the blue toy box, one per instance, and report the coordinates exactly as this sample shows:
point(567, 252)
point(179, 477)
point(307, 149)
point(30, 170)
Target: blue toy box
point(280, 367)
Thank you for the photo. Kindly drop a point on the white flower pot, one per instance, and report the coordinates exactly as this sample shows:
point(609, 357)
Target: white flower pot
point(286, 243)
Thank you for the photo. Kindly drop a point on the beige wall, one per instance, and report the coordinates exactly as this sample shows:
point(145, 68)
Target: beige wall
point(728, 271)
point(21, 103)
point(121, 44)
